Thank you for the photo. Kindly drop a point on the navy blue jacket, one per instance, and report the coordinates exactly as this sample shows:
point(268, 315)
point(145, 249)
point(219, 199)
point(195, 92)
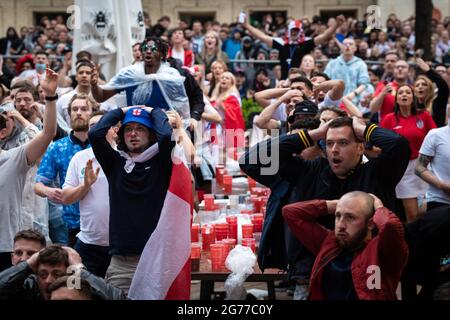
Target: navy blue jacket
point(314, 179)
point(135, 198)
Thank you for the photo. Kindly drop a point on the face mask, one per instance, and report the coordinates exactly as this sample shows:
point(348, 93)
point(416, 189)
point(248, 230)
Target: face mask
point(41, 67)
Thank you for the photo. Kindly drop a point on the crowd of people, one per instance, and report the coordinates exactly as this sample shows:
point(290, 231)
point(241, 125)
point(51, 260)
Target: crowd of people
point(355, 122)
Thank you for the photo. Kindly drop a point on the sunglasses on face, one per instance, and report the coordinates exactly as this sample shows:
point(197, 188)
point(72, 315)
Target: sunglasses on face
point(152, 47)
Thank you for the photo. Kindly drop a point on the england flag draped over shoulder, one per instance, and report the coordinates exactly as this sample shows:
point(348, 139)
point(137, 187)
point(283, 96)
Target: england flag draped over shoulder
point(108, 29)
point(164, 269)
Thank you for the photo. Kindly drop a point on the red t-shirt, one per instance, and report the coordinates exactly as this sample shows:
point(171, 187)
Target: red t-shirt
point(389, 100)
point(414, 128)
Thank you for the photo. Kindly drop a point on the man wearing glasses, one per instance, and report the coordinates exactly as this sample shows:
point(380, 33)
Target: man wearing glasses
point(169, 91)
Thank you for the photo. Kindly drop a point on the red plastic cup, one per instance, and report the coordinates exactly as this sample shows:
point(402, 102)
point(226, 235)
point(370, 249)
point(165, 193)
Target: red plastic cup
point(217, 253)
point(221, 231)
point(207, 236)
point(249, 212)
point(256, 204)
point(209, 202)
point(232, 226)
point(195, 250)
point(220, 171)
point(249, 242)
point(195, 230)
point(247, 230)
point(257, 220)
point(227, 183)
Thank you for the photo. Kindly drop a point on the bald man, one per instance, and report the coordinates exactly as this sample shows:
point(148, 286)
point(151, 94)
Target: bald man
point(363, 258)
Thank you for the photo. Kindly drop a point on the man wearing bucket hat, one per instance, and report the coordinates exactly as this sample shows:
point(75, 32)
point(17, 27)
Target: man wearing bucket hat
point(138, 175)
point(294, 45)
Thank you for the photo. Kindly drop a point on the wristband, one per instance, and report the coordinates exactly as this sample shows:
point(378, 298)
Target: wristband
point(51, 98)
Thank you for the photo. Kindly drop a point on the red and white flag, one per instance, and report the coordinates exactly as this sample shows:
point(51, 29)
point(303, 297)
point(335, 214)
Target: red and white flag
point(164, 269)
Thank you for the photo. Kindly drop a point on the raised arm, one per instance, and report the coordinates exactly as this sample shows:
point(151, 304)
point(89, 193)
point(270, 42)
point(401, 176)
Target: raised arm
point(351, 108)
point(395, 153)
point(333, 24)
point(377, 102)
point(98, 93)
point(73, 191)
point(263, 98)
point(258, 33)
point(180, 135)
point(335, 88)
point(393, 248)
point(36, 147)
point(265, 121)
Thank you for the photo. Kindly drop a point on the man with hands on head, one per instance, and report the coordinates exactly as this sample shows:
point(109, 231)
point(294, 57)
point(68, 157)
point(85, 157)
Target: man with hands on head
point(138, 175)
point(342, 171)
point(30, 279)
point(348, 257)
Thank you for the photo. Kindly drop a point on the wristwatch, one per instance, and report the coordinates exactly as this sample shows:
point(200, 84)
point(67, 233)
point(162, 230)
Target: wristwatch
point(51, 98)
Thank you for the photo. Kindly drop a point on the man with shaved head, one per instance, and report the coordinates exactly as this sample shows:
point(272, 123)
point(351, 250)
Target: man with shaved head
point(363, 258)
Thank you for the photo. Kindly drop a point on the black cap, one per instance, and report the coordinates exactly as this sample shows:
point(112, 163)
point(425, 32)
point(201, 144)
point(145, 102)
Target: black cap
point(305, 107)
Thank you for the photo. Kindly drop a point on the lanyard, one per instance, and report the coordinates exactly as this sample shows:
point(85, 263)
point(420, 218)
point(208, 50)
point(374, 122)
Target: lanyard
point(291, 54)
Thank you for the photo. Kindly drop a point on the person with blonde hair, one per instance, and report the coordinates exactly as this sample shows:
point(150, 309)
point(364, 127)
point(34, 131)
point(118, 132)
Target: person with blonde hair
point(424, 91)
point(228, 102)
point(218, 67)
point(211, 51)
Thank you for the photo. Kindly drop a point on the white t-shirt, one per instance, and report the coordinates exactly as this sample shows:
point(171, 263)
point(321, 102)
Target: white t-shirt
point(328, 102)
point(13, 170)
point(280, 112)
point(62, 105)
point(436, 145)
point(94, 208)
point(178, 55)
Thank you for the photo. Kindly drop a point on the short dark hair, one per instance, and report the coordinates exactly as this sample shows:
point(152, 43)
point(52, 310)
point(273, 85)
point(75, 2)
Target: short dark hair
point(164, 18)
point(83, 53)
point(21, 83)
point(41, 52)
point(53, 255)
point(83, 63)
point(30, 235)
point(172, 31)
point(337, 110)
point(341, 122)
point(320, 74)
point(304, 80)
point(162, 45)
point(306, 123)
point(85, 288)
point(29, 89)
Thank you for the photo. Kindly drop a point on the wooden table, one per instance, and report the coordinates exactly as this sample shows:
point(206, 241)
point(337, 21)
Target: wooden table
point(208, 278)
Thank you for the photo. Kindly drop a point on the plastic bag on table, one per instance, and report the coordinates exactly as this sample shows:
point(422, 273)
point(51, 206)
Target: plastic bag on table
point(240, 262)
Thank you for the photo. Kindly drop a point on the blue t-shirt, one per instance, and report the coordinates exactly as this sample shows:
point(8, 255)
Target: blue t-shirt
point(55, 164)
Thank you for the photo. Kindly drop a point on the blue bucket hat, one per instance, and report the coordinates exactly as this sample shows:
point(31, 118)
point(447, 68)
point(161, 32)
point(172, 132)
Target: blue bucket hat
point(138, 115)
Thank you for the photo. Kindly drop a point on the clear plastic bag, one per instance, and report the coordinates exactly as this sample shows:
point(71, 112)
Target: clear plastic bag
point(240, 262)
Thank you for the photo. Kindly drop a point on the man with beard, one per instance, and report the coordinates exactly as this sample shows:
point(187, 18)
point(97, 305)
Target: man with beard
point(25, 101)
point(57, 158)
point(351, 262)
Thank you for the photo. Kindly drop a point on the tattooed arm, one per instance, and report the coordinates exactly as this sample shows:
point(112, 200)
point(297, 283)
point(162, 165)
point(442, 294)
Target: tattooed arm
point(428, 176)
